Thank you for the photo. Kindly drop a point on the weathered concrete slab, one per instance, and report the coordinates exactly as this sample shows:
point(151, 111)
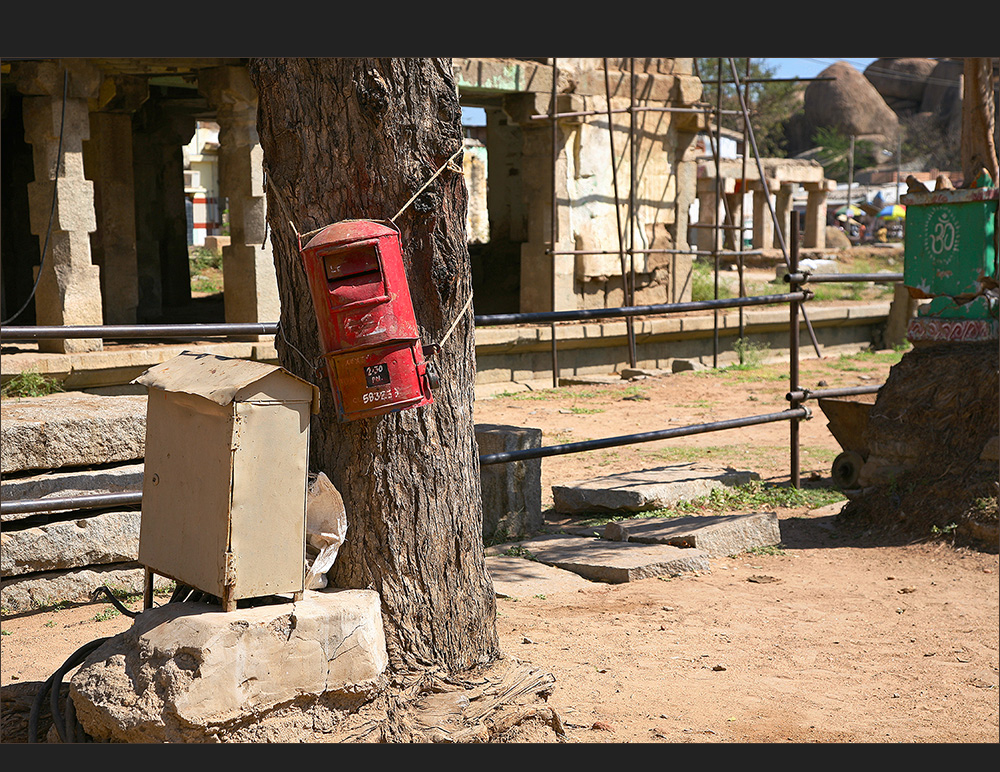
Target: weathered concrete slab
point(110, 537)
point(522, 578)
point(716, 535)
point(614, 562)
point(187, 672)
point(71, 429)
point(647, 489)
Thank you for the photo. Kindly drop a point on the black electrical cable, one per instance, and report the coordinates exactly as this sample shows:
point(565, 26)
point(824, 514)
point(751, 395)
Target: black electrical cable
point(52, 209)
point(70, 727)
point(51, 689)
point(103, 590)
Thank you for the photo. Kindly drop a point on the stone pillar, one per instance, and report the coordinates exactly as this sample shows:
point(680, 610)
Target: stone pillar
point(686, 186)
point(69, 289)
point(763, 224)
point(161, 219)
point(783, 211)
point(815, 234)
point(109, 162)
point(709, 207)
point(538, 269)
point(250, 282)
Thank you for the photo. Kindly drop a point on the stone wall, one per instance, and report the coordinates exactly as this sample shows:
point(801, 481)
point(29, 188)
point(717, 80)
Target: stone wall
point(76, 444)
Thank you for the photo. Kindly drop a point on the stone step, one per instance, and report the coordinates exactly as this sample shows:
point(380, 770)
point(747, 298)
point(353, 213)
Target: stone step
point(59, 483)
point(646, 489)
point(716, 535)
point(229, 669)
point(599, 560)
point(71, 429)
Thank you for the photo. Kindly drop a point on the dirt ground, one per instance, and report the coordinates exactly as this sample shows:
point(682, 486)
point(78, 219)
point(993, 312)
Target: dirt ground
point(835, 637)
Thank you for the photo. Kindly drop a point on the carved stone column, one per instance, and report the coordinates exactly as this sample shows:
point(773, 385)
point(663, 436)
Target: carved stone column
point(250, 284)
point(783, 211)
point(763, 224)
point(109, 161)
point(540, 270)
point(815, 234)
point(69, 289)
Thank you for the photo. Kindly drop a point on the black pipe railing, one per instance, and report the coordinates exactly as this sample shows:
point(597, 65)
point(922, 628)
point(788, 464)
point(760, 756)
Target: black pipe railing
point(133, 331)
point(633, 439)
point(64, 503)
point(846, 391)
point(805, 277)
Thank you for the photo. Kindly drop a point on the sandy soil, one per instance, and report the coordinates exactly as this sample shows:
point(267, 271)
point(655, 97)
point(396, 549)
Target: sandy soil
point(835, 637)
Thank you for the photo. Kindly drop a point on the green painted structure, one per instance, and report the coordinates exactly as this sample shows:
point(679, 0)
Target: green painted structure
point(949, 249)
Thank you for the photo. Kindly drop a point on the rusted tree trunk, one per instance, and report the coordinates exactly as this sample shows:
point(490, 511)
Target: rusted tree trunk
point(356, 139)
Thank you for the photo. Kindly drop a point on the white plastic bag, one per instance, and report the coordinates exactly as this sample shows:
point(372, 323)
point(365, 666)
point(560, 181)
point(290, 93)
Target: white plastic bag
point(326, 528)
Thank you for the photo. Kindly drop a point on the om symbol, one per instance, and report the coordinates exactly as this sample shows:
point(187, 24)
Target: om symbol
point(942, 236)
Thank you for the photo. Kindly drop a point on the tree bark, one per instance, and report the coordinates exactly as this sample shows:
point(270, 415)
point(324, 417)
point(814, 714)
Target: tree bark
point(356, 139)
point(979, 141)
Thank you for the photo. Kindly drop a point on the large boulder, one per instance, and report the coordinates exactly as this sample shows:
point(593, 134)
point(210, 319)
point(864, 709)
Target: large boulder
point(901, 82)
point(848, 103)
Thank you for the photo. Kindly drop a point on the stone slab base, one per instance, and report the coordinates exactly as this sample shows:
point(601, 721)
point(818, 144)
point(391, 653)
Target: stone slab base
point(614, 562)
point(189, 672)
point(645, 490)
point(716, 535)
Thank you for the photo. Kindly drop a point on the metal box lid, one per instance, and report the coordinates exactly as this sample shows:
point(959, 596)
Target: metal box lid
point(220, 379)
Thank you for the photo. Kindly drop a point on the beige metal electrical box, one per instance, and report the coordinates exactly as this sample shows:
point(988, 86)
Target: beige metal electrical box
point(224, 488)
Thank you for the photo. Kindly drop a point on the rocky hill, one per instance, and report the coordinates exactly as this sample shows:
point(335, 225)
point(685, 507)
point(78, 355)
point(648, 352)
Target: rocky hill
point(913, 93)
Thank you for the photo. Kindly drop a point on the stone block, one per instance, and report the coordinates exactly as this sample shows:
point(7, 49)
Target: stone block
point(111, 537)
point(71, 429)
point(512, 491)
point(31, 591)
point(645, 490)
point(187, 672)
point(75, 482)
point(522, 578)
point(716, 535)
point(614, 562)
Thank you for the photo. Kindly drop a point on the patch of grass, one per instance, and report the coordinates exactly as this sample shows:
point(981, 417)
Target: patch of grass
point(585, 410)
point(703, 281)
point(753, 495)
point(108, 613)
point(30, 383)
point(517, 551)
point(751, 353)
point(201, 260)
point(770, 549)
point(205, 269)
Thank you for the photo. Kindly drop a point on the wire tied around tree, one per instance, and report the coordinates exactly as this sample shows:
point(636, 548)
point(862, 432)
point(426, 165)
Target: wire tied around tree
point(449, 165)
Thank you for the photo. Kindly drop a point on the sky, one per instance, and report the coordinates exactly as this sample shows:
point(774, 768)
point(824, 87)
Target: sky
point(784, 68)
point(810, 68)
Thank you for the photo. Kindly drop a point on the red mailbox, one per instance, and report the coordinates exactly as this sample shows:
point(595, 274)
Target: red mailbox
point(365, 316)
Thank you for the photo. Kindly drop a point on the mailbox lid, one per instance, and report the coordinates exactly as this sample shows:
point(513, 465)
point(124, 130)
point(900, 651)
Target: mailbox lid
point(223, 380)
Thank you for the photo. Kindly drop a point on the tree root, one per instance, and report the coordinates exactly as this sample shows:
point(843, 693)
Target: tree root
point(497, 703)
